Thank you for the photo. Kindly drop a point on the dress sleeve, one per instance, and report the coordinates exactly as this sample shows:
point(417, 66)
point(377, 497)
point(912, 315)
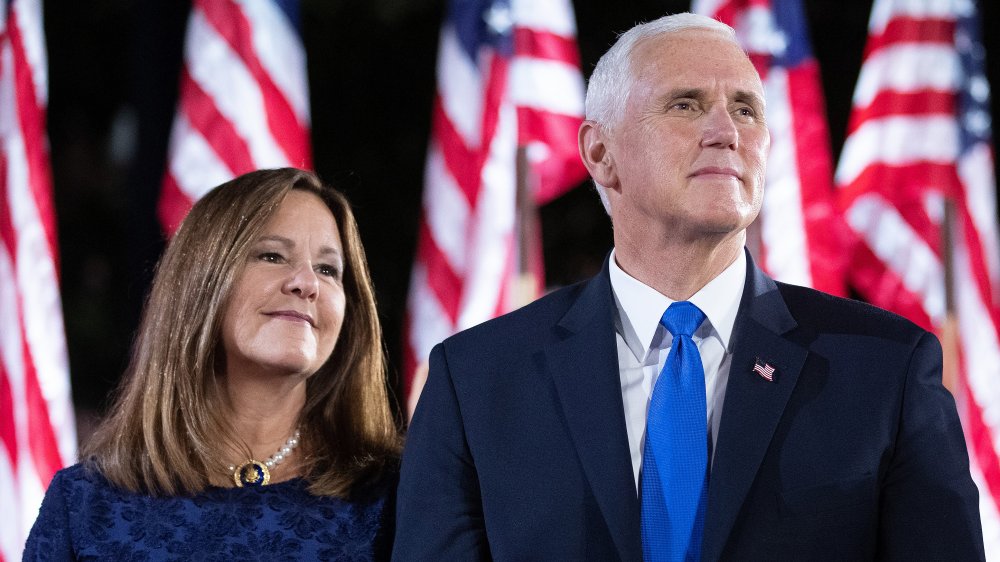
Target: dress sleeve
point(384, 536)
point(49, 538)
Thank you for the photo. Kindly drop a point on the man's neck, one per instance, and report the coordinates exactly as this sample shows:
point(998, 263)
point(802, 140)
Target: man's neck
point(677, 270)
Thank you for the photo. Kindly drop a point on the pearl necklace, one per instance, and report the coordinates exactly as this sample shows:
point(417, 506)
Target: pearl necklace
point(256, 473)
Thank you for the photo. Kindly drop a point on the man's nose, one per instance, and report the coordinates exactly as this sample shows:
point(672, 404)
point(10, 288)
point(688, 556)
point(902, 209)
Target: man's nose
point(719, 129)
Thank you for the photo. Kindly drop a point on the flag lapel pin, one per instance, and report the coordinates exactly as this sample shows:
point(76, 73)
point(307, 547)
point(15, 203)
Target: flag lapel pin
point(764, 369)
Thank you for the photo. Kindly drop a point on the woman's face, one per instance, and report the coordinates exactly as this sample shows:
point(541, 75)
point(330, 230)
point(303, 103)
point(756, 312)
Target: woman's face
point(287, 306)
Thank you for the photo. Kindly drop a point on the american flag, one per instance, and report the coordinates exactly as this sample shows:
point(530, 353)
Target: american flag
point(765, 370)
point(37, 429)
point(799, 236)
point(919, 135)
point(508, 75)
point(244, 99)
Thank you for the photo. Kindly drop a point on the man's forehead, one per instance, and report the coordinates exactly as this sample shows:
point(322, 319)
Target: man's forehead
point(683, 36)
point(695, 45)
point(696, 56)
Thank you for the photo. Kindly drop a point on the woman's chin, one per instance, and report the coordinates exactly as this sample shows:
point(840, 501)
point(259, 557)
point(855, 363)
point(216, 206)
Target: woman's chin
point(289, 365)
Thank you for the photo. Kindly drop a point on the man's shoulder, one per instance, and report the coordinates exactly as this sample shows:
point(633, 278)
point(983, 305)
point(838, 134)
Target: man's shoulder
point(530, 323)
point(828, 313)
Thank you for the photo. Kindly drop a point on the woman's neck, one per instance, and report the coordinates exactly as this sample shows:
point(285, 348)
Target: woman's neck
point(264, 413)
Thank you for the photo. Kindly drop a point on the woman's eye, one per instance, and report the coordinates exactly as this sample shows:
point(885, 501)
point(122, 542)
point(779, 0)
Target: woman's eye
point(270, 257)
point(328, 270)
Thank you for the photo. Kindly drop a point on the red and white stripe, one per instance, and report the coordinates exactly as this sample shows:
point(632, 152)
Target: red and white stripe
point(244, 101)
point(801, 235)
point(547, 89)
point(37, 428)
point(902, 157)
point(467, 247)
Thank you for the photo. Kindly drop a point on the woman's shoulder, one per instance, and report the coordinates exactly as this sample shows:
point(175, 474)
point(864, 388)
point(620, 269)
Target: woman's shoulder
point(70, 493)
point(71, 473)
point(81, 478)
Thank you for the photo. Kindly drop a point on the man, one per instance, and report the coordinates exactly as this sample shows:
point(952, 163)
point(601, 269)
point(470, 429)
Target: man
point(818, 427)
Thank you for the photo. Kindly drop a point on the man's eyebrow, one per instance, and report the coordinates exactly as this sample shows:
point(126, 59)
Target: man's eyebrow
point(693, 93)
point(746, 96)
point(749, 97)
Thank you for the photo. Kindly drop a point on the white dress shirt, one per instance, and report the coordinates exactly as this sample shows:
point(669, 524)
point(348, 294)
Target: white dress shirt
point(643, 344)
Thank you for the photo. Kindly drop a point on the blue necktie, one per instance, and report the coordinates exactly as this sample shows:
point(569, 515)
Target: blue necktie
point(674, 479)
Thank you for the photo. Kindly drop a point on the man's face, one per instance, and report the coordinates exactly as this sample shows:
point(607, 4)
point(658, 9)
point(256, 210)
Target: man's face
point(690, 151)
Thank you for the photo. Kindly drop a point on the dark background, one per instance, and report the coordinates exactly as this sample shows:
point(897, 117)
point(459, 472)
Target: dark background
point(114, 66)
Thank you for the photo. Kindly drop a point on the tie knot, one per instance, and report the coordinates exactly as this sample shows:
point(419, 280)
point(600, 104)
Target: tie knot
point(682, 318)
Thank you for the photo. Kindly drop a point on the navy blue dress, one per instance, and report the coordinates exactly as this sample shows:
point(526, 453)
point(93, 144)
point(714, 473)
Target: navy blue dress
point(84, 517)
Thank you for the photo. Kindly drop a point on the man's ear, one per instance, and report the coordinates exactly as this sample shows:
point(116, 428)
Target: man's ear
point(595, 154)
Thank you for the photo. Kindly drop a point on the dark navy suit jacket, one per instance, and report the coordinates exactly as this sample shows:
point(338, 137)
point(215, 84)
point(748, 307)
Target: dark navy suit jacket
point(518, 448)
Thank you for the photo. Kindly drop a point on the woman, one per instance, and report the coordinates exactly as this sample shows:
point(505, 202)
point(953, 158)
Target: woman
point(254, 421)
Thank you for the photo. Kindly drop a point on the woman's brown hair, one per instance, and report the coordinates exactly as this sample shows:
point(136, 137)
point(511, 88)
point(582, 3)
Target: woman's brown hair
point(166, 433)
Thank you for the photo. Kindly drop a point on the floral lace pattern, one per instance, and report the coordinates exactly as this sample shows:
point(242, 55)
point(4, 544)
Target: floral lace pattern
point(83, 517)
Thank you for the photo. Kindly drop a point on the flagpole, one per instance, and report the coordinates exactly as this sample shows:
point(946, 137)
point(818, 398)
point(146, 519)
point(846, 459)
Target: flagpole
point(526, 282)
point(948, 331)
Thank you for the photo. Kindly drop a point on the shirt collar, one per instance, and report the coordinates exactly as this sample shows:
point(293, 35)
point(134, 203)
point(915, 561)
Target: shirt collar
point(640, 306)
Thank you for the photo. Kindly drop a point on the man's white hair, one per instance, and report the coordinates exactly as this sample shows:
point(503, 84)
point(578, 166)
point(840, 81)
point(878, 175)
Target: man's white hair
point(611, 82)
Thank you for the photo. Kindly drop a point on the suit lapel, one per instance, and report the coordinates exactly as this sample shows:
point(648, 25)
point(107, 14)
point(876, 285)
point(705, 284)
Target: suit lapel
point(583, 363)
point(752, 405)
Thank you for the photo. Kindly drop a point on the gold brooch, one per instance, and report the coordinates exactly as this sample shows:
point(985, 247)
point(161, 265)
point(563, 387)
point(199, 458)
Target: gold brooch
point(251, 473)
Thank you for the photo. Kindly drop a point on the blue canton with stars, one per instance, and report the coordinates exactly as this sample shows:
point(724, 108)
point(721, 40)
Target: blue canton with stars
point(974, 93)
point(790, 18)
point(482, 23)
